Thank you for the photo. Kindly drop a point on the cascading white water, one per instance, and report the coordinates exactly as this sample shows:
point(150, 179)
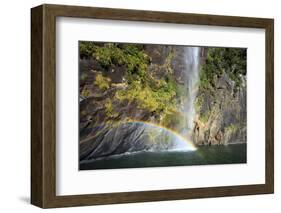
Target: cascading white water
point(192, 66)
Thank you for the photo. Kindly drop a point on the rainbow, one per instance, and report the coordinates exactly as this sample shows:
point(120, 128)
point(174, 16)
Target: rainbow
point(183, 144)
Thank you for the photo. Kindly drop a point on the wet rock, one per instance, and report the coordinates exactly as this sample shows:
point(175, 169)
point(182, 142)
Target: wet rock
point(108, 140)
point(225, 114)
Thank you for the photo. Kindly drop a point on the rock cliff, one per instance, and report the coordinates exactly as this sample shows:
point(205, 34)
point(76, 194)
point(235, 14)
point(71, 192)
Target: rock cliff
point(221, 101)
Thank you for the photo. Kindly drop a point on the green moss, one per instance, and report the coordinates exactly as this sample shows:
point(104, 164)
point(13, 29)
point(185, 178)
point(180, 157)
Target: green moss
point(204, 117)
point(108, 107)
point(168, 63)
point(232, 127)
point(83, 112)
point(198, 103)
point(83, 76)
point(85, 92)
point(102, 82)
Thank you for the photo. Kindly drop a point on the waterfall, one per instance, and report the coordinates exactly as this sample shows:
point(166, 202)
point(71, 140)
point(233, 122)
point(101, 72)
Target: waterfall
point(192, 66)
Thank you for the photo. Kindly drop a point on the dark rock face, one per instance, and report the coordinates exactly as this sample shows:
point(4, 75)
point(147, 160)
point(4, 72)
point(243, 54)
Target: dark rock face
point(226, 116)
point(129, 137)
point(99, 142)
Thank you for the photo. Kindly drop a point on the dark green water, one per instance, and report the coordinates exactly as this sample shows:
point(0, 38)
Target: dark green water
point(205, 155)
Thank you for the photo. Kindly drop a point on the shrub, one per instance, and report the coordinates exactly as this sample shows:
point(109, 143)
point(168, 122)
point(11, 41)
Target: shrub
point(85, 92)
point(158, 96)
point(83, 76)
point(204, 116)
point(108, 107)
point(86, 49)
point(231, 61)
point(231, 128)
point(158, 101)
point(102, 82)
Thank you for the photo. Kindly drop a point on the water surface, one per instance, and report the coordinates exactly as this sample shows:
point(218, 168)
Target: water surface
point(204, 155)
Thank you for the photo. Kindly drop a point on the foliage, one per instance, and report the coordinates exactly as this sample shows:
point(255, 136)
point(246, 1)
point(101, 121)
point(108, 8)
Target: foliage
point(157, 95)
point(102, 82)
point(169, 62)
point(86, 48)
point(83, 76)
point(232, 128)
point(85, 92)
point(108, 107)
point(204, 116)
point(112, 54)
point(155, 100)
point(231, 61)
point(199, 102)
point(219, 61)
point(150, 93)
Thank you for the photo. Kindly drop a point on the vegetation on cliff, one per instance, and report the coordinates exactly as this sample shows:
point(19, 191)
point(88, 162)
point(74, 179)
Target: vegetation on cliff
point(219, 61)
point(148, 82)
point(149, 92)
point(221, 100)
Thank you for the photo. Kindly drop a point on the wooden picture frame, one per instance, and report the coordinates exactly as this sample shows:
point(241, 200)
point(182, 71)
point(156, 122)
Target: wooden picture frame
point(43, 105)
